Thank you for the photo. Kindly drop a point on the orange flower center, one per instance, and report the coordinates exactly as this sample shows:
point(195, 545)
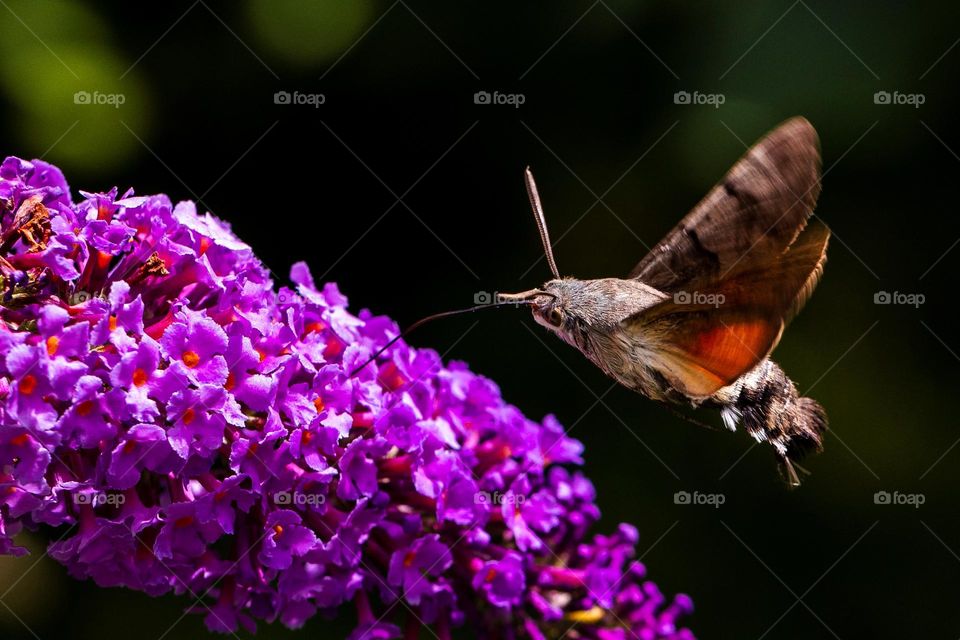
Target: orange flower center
point(84, 408)
point(52, 343)
point(139, 377)
point(189, 415)
point(333, 349)
point(191, 359)
point(27, 384)
point(390, 377)
point(318, 403)
point(20, 440)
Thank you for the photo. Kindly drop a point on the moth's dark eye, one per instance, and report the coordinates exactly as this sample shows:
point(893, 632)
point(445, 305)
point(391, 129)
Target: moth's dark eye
point(555, 317)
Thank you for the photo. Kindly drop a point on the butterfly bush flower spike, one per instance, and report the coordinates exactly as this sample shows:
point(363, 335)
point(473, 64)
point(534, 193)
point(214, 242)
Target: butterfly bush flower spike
point(178, 425)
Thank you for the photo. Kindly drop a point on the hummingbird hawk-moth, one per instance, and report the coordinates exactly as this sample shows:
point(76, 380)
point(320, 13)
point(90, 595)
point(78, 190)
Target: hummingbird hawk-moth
point(696, 320)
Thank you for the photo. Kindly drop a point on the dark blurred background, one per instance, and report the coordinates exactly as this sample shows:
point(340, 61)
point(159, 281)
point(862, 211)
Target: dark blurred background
point(409, 194)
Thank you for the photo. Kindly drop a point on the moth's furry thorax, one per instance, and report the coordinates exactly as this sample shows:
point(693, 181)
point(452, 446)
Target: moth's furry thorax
point(593, 316)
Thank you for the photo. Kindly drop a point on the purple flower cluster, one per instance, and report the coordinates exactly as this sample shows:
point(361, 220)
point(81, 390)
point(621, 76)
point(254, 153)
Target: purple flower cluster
point(187, 428)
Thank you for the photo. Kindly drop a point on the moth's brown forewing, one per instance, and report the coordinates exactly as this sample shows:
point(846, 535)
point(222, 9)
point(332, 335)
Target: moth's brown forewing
point(754, 213)
point(741, 265)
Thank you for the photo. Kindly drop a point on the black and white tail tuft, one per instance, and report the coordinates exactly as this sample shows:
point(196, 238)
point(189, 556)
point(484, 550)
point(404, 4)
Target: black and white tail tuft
point(772, 411)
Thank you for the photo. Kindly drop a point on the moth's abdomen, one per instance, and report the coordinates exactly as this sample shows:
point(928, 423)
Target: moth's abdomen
point(773, 411)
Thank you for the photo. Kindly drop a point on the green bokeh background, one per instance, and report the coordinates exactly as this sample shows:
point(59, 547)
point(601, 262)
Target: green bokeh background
point(198, 120)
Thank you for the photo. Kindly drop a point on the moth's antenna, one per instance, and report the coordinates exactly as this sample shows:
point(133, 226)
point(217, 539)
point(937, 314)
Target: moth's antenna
point(502, 300)
point(541, 221)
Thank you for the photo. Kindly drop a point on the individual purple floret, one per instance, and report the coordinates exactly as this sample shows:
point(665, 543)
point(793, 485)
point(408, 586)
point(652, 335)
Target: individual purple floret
point(185, 427)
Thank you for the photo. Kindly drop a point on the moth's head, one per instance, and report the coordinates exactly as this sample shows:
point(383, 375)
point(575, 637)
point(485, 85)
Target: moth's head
point(551, 304)
point(556, 306)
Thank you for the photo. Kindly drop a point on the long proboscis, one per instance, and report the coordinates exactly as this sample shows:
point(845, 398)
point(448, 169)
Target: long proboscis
point(505, 299)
